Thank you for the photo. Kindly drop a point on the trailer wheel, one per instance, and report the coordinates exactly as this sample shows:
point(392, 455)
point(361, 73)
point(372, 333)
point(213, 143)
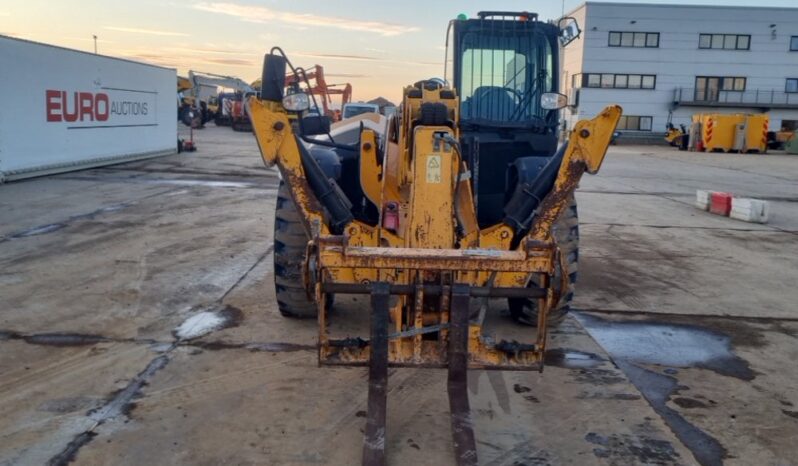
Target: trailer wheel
point(566, 231)
point(290, 241)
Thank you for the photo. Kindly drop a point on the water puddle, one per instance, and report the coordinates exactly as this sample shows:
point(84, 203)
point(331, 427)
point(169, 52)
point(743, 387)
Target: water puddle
point(207, 321)
point(206, 183)
point(666, 344)
point(571, 359)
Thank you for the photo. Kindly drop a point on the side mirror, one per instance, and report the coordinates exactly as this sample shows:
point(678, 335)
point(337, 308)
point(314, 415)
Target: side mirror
point(273, 77)
point(313, 125)
point(569, 30)
point(553, 101)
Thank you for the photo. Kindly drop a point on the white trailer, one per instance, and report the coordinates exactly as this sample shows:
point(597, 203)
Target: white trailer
point(63, 109)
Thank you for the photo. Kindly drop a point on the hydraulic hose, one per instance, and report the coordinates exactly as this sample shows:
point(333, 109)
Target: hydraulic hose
point(520, 210)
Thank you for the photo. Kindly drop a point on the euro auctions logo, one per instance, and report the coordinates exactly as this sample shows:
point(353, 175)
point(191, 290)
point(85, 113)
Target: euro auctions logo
point(84, 108)
point(77, 106)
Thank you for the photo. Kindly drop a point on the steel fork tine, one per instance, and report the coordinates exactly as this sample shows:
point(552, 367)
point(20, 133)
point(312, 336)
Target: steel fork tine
point(465, 449)
point(374, 439)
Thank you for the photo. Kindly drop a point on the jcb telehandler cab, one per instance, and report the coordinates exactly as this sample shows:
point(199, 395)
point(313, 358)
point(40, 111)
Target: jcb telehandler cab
point(453, 202)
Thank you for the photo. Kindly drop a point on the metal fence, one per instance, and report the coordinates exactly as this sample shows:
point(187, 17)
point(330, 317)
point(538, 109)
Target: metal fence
point(754, 97)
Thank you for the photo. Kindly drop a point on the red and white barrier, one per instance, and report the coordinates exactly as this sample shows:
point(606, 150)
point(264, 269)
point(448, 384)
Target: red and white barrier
point(720, 203)
point(740, 208)
point(702, 199)
point(750, 210)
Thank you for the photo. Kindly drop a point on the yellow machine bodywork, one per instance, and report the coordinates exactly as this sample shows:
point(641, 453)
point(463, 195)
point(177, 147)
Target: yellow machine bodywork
point(672, 135)
point(437, 244)
point(183, 85)
point(733, 132)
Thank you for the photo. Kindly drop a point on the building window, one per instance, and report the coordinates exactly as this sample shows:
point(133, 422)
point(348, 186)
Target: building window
point(792, 85)
point(634, 39)
point(634, 123)
point(619, 81)
point(724, 41)
point(794, 44)
point(707, 88)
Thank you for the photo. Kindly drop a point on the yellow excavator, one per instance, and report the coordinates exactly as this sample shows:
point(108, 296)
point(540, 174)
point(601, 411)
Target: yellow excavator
point(462, 198)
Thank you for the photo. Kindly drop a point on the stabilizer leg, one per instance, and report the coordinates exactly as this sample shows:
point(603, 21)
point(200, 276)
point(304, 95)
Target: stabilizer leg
point(374, 440)
point(465, 449)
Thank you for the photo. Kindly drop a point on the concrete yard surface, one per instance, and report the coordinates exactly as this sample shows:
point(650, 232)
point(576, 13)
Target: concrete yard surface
point(138, 326)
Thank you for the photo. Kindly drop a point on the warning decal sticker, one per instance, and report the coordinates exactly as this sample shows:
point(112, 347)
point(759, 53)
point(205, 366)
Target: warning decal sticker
point(433, 169)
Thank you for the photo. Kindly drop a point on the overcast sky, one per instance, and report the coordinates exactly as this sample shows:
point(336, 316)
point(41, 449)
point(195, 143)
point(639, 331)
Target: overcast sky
point(379, 46)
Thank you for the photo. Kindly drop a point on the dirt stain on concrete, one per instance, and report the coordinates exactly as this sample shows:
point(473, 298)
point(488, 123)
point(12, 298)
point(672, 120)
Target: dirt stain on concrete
point(689, 403)
point(657, 389)
point(628, 449)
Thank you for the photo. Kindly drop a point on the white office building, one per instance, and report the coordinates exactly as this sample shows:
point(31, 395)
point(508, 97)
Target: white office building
point(667, 62)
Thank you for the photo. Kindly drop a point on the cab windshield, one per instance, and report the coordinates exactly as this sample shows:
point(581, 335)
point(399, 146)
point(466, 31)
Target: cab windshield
point(502, 76)
point(355, 110)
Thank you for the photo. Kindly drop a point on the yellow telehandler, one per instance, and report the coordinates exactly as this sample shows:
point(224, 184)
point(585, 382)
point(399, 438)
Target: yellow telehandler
point(461, 197)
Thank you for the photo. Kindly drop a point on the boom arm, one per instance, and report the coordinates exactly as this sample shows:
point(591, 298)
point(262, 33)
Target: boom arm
point(199, 79)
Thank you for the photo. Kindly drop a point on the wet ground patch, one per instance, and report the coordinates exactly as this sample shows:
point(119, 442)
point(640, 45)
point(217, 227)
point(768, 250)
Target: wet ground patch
point(55, 339)
point(571, 359)
point(206, 320)
point(667, 344)
point(651, 351)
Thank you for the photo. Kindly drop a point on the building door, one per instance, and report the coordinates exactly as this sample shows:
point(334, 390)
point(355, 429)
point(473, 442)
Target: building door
point(707, 88)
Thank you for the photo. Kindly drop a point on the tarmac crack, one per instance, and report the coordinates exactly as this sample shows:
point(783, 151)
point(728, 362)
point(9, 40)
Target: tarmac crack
point(631, 312)
point(260, 259)
point(685, 227)
point(118, 405)
point(60, 339)
point(738, 170)
point(259, 174)
point(685, 194)
point(55, 226)
point(65, 339)
point(776, 229)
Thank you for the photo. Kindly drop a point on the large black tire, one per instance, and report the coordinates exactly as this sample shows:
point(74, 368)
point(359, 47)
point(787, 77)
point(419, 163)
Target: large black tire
point(566, 232)
point(290, 242)
point(185, 115)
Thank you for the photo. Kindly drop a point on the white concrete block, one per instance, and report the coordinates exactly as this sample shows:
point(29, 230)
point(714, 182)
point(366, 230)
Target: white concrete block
point(702, 199)
point(750, 210)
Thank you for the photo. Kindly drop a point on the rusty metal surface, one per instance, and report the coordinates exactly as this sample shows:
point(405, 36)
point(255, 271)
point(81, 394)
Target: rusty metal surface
point(465, 448)
point(434, 259)
point(435, 290)
point(425, 259)
point(374, 438)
